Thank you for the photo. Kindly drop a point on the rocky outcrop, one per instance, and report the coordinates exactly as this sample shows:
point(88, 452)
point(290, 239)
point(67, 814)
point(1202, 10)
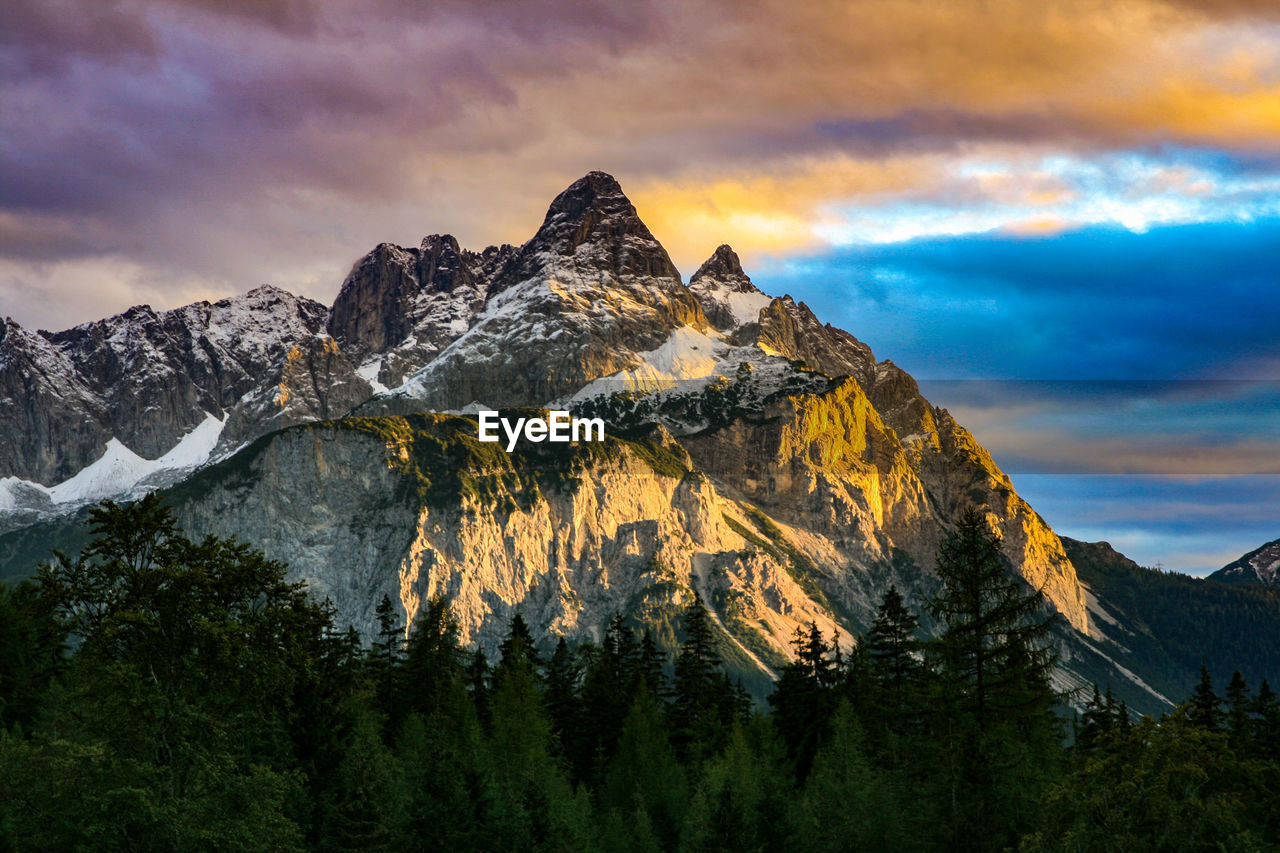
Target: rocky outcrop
point(398, 308)
point(313, 381)
point(726, 293)
point(53, 422)
point(791, 330)
point(416, 507)
point(143, 377)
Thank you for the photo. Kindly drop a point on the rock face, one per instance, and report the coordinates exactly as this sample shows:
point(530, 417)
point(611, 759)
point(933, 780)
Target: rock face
point(757, 456)
point(1259, 566)
point(400, 307)
point(416, 507)
point(141, 377)
point(578, 302)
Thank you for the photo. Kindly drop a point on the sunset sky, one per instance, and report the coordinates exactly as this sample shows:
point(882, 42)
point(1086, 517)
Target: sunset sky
point(1063, 217)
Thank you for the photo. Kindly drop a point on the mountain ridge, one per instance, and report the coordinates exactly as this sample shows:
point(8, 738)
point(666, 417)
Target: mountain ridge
point(829, 474)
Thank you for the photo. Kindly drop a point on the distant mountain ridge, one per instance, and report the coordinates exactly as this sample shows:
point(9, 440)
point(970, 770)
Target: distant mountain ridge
point(1259, 566)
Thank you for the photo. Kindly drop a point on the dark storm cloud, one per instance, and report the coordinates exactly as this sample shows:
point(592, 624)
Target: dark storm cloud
point(1187, 301)
point(44, 36)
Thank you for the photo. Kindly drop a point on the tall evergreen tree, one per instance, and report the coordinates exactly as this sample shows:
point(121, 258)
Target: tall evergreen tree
point(1238, 706)
point(1000, 736)
point(564, 706)
point(432, 662)
point(703, 702)
point(1266, 728)
point(1205, 706)
point(805, 696)
point(645, 785)
point(893, 653)
point(519, 650)
point(994, 626)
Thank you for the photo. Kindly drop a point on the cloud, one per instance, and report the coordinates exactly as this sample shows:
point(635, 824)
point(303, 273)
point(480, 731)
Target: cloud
point(203, 122)
point(1187, 301)
point(1191, 525)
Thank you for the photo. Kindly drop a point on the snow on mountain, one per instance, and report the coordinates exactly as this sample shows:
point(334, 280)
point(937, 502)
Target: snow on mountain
point(1259, 566)
point(119, 469)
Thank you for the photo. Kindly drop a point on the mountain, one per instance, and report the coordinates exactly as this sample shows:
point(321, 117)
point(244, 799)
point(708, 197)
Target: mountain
point(1159, 627)
point(755, 456)
point(140, 399)
point(1259, 566)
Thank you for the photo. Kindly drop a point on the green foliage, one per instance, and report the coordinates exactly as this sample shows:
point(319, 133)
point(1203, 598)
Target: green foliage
point(162, 694)
point(1174, 623)
point(1170, 786)
point(849, 804)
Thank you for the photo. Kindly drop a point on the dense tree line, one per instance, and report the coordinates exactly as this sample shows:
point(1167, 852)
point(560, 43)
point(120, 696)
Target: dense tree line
point(163, 694)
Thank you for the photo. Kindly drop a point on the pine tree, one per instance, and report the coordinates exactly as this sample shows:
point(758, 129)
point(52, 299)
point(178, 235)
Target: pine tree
point(999, 731)
point(703, 703)
point(1266, 728)
point(433, 659)
point(1238, 702)
point(848, 804)
point(994, 627)
point(893, 653)
point(518, 650)
point(804, 698)
point(1205, 705)
point(390, 642)
point(651, 667)
point(529, 801)
point(564, 706)
point(1096, 722)
point(644, 778)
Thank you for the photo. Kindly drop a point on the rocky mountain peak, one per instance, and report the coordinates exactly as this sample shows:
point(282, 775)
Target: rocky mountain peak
point(441, 243)
point(729, 299)
point(592, 225)
point(723, 266)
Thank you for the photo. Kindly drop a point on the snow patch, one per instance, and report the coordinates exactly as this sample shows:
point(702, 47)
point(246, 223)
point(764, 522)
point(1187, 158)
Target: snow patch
point(746, 307)
point(688, 355)
point(119, 469)
point(369, 373)
point(11, 489)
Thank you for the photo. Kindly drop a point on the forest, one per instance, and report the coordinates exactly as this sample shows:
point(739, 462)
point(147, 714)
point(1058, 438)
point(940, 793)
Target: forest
point(158, 693)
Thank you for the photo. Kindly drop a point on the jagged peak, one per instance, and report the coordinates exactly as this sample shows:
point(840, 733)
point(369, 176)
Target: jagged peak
point(268, 289)
point(263, 294)
point(592, 187)
point(441, 242)
point(724, 266)
point(594, 210)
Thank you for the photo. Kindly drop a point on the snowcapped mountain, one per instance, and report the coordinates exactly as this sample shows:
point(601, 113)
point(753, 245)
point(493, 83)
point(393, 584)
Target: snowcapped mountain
point(756, 456)
point(1259, 566)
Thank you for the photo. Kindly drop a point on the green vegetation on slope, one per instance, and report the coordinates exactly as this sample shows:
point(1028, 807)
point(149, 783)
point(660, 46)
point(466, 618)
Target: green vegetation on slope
point(1179, 621)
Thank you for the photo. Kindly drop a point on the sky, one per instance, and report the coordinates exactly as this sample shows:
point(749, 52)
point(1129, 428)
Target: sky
point(1062, 217)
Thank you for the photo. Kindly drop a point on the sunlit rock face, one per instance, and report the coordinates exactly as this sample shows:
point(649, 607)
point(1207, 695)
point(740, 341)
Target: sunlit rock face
point(757, 456)
point(416, 507)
